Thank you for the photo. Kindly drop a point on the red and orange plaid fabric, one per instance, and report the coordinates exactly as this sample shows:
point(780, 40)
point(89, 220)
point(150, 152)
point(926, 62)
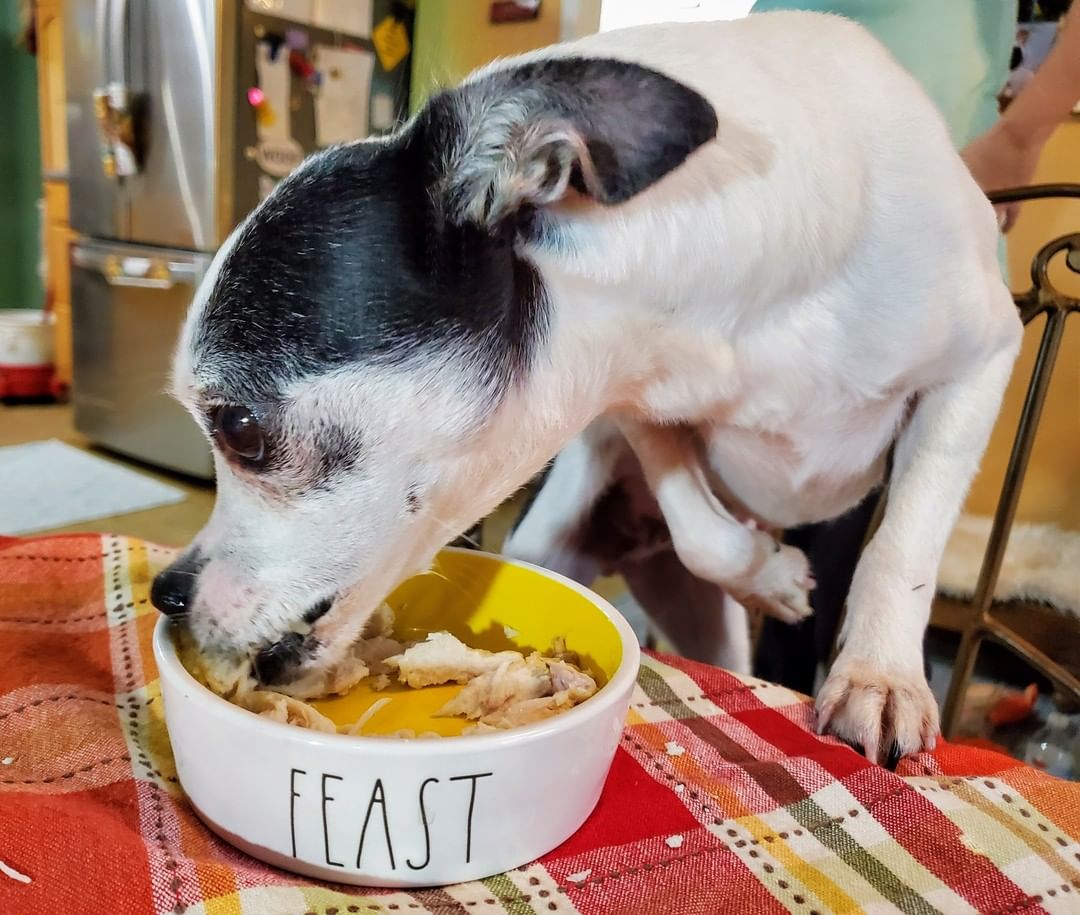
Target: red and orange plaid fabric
point(755, 814)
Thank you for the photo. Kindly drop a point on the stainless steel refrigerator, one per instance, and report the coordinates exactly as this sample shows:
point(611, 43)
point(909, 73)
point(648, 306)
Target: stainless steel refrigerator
point(172, 140)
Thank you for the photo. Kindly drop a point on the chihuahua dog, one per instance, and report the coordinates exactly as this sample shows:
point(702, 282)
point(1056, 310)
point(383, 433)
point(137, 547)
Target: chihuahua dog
point(754, 261)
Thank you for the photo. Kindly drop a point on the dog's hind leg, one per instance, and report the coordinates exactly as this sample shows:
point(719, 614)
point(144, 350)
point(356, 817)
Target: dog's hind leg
point(755, 569)
point(595, 515)
point(699, 620)
point(547, 534)
point(876, 694)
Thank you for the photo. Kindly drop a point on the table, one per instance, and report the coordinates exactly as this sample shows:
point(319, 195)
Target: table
point(721, 798)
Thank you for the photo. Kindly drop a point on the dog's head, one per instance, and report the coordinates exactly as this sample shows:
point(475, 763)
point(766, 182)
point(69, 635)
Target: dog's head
point(361, 345)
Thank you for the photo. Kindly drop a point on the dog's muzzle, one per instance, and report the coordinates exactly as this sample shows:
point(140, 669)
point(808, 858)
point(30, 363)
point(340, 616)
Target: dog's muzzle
point(173, 594)
point(277, 663)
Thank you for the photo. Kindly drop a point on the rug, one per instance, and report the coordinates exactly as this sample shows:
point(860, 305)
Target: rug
point(1042, 564)
point(48, 484)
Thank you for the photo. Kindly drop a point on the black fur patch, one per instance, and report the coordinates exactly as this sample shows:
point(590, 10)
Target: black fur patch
point(338, 451)
point(349, 261)
point(637, 124)
point(319, 610)
point(356, 257)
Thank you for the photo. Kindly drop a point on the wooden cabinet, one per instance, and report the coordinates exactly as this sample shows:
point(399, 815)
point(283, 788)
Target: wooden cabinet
point(58, 278)
point(54, 164)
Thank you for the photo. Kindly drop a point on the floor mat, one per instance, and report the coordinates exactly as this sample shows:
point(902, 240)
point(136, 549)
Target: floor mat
point(45, 485)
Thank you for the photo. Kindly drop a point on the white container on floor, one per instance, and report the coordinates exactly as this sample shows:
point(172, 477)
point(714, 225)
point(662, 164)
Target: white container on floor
point(26, 338)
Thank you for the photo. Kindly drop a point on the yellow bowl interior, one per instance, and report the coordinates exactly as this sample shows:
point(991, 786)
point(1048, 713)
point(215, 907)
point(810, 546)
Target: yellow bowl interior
point(488, 604)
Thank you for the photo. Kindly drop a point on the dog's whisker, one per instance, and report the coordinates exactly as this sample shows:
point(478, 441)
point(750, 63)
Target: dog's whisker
point(434, 572)
point(471, 540)
point(449, 528)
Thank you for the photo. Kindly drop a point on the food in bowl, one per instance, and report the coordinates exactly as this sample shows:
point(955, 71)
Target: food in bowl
point(499, 689)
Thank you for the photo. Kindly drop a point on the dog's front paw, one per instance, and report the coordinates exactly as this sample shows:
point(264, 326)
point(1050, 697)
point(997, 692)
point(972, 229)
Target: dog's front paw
point(781, 585)
point(878, 708)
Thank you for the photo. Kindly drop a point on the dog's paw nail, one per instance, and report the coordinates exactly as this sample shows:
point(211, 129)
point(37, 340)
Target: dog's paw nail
point(824, 714)
point(890, 712)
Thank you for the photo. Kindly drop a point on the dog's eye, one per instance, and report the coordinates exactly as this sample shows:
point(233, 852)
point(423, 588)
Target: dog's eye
point(237, 432)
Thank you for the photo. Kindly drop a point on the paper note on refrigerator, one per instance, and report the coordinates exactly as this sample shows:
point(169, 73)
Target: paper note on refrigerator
point(352, 17)
point(273, 121)
point(341, 107)
point(383, 115)
point(296, 10)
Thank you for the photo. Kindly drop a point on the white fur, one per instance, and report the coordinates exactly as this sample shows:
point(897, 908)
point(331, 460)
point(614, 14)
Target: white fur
point(781, 300)
point(693, 614)
point(788, 294)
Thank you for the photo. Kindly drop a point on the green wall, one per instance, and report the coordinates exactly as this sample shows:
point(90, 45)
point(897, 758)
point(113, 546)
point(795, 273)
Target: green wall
point(20, 167)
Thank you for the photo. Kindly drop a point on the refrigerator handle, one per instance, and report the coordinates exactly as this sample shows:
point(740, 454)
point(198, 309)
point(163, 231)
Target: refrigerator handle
point(117, 63)
point(137, 271)
point(103, 34)
point(119, 109)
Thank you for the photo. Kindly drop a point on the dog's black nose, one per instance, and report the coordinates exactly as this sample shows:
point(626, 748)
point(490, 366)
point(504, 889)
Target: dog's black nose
point(174, 587)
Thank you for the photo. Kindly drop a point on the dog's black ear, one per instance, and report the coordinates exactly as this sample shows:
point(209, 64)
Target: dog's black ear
point(521, 136)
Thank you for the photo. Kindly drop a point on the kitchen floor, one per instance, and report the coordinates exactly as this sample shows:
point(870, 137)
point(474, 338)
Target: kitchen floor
point(171, 525)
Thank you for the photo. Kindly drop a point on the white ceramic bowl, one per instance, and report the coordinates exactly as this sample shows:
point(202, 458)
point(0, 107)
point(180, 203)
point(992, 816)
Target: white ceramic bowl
point(381, 811)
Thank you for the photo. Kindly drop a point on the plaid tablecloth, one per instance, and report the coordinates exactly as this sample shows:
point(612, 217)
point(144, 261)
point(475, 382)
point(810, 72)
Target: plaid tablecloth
point(721, 798)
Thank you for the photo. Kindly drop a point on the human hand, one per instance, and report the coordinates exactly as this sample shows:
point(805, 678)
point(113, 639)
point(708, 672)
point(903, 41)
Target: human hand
point(1001, 159)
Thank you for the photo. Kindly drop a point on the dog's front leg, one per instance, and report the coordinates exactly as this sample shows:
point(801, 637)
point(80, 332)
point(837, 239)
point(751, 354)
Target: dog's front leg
point(876, 694)
point(757, 570)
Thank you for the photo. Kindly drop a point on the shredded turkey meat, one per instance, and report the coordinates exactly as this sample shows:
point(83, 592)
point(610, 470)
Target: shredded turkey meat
point(501, 690)
point(442, 658)
point(286, 709)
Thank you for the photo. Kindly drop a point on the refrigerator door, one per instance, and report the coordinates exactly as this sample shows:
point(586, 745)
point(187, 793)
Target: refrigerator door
point(172, 65)
point(92, 58)
point(250, 183)
point(128, 303)
point(245, 182)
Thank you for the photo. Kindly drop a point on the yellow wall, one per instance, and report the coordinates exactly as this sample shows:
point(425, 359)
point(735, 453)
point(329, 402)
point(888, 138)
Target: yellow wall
point(454, 37)
point(1052, 490)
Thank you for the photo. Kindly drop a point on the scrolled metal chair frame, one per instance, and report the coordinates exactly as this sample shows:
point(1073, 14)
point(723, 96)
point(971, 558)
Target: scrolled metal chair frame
point(1043, 298)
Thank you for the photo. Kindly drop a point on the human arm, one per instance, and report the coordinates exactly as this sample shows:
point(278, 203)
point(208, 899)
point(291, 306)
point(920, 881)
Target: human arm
point(1006, 155)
